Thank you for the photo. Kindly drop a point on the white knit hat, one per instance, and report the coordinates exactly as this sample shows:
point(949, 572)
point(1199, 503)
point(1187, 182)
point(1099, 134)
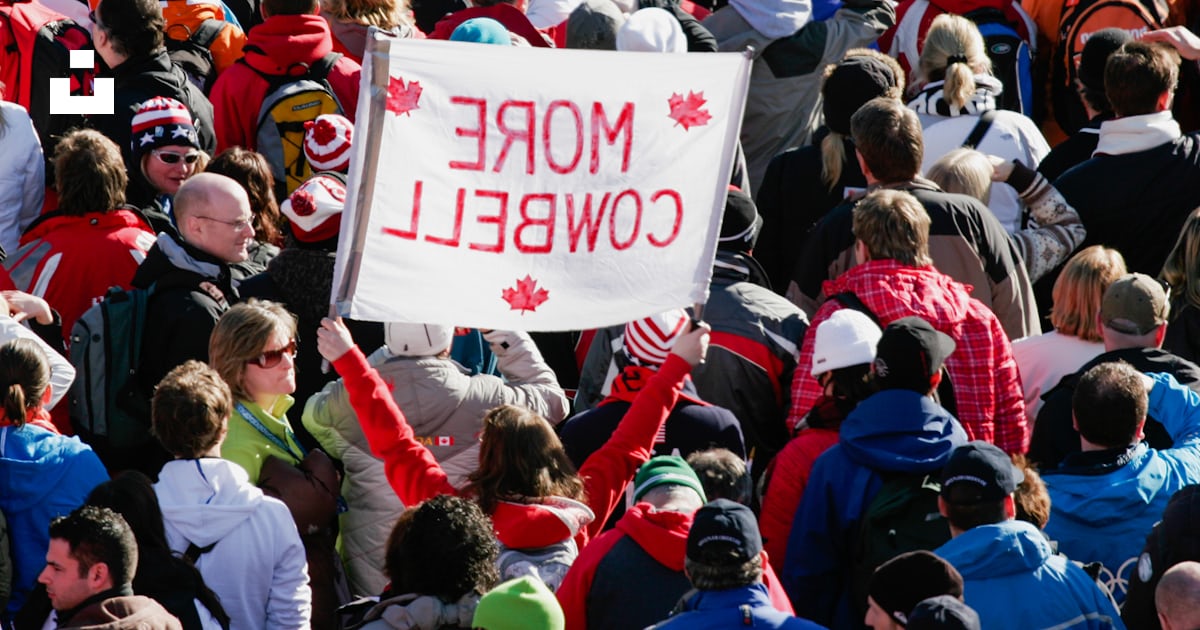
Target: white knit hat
point(648, 341)
point(847, 338)
point(417, 340)
point(327, 142)
point(315, 208)
point(651, 30)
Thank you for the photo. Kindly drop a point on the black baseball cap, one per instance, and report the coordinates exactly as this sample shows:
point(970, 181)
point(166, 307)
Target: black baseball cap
point(979, 471)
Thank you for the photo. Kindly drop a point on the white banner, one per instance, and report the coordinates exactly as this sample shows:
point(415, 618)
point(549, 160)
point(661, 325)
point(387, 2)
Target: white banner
point(535, 189)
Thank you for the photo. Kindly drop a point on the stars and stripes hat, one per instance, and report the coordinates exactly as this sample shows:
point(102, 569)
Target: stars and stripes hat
point(648, 341)
point(327, 143)
point(161, 122)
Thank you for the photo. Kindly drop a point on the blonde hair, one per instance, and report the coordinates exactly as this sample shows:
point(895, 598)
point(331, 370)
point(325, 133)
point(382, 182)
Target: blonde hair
point(893, 225)
point(833, 145)
point(1181, 272)
point(954, 53)
point(964, 171)
point(242, 334)
point(385, 14)
point(1079, 289)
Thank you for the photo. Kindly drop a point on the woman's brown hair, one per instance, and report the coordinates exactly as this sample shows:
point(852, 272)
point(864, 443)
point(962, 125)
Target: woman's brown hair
point(253, 172)
point(520, 457)
point(24, 376)
point(242, 334)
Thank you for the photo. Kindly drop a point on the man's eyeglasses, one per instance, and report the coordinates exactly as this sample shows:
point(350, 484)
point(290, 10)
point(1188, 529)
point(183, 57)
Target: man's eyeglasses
point(270, 358)
point(238, 226)
point(172, 158)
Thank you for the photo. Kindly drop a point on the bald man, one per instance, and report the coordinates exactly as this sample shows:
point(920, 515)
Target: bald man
point(192, 279)
point(1178, 597)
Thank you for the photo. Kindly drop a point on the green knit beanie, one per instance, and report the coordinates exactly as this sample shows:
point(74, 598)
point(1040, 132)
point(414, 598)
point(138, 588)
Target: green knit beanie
point(663, 470)
point(521, 604)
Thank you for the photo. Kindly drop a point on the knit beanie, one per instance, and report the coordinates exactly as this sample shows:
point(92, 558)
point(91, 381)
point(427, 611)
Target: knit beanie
point(901, 583)
point(648, 341)
point(521, 604)
point(327, 142)
point(666, 470)
point(482, 31)
point(314, 210)
point(1096, 51)
point(943, 613)
point(740, 224)
point(160, 122)
point(853, 82)
point(652, 30)
point(594, 24)
point(847, 338)
point(417, 340)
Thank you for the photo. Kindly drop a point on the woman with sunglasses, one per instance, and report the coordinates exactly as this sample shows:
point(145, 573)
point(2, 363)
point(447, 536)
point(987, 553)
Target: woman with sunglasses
point(165, 152)
point(253, 348)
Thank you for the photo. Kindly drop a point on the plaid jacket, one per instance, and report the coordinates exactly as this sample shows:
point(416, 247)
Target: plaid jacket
point(987, 387)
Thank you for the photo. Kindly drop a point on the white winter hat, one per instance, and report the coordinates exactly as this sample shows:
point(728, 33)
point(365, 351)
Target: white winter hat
point(314, 209)
point(417, 340)
point(651, 30)
point(648, 341)
point(847, 338)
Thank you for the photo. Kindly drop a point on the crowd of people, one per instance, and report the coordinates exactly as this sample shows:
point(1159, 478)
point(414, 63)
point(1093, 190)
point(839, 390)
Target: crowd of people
point(945, 376)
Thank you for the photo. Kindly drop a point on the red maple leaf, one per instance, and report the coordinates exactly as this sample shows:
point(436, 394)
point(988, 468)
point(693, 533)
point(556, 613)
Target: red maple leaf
point(403, 99)
point(526, 296)
point(688, 111)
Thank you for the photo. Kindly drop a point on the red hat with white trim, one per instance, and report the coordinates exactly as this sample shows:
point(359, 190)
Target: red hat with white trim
point(161, 122)
point(327, 142)
point(648, 341)
point(315, 208)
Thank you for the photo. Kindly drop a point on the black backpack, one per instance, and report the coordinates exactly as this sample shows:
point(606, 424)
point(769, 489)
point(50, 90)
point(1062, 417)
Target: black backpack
point(194, 54)
point(1011, 56)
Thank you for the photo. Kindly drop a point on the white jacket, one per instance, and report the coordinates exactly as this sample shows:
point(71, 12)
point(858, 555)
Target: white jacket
point(22, 174)
point(256, 566)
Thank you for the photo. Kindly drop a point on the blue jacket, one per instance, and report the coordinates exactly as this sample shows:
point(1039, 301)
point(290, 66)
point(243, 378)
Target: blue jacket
point(1103, 512)
point(723, 609)
point(42, 475)
point(1013, 579)
point(892, 431)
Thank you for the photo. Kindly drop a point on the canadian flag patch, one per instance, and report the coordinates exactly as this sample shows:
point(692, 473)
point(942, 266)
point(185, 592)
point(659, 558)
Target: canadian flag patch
point(444, 440)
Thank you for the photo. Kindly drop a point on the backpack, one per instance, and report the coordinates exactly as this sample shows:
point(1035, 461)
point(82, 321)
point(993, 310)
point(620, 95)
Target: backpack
point(548, 564)
point(1012, 59)
point(35, 46)
point(106, 402)
point(902, 517)
point(194, 55)
point(291, 101)
point(1080, 19)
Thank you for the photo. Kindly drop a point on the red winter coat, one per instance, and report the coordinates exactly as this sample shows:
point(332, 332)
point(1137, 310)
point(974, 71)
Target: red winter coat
point(290, 42)
point(71, 261)
point(415, 475)
point(788, 478)
point(987, 387)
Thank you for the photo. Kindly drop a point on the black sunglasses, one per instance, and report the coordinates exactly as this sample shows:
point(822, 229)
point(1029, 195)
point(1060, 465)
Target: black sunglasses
point(270, 358)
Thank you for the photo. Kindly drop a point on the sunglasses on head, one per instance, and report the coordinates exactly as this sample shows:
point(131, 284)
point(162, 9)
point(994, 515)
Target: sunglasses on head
point(168, 157)
point(270, 358)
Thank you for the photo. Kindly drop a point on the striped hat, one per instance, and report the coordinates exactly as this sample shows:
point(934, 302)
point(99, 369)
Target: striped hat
point(327, 143)
point(160, 122)
point(314, 210)
point(648, 341)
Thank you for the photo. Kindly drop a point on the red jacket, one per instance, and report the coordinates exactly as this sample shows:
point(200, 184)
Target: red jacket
point(290, 42)
point(788, 478)
point(662, 535)
point(987, 387)
point(71, 261)
point(415, 475)
point(511, 17)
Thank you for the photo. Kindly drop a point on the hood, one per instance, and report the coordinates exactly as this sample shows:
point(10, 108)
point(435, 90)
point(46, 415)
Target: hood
point(286, 42)
point(931, 100)
point(925, 292)
point(993, 551)
point(534, 525)
point(1101, 500)
point(731, 267)
point(35, 463)
point(774, 18)
point(900, 431)
point(424, 612)
point(171, 262)
point(662, 534)
point(205, 499)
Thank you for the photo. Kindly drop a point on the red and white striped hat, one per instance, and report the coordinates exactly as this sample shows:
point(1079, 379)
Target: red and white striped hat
point(314, 210)
point(648, 341)
point(327, 143)
point(160, 122)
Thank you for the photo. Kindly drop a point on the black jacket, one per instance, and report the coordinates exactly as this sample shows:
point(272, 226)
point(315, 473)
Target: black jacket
point(1073, 151)
point(1054, 434)
point(1173, 540)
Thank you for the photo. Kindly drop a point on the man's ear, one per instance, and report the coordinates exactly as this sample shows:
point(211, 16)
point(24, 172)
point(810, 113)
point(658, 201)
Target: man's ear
point(99, 578)
point(945, 511)
point(1010, 507)
point(47, 395)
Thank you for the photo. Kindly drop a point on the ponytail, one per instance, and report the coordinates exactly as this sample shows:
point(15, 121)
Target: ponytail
point(24, 376)
point(833, 156)
point(959, 84)
point(14, 405)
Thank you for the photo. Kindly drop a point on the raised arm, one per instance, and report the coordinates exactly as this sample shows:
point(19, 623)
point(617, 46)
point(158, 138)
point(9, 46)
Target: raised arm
point(1059, 230)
